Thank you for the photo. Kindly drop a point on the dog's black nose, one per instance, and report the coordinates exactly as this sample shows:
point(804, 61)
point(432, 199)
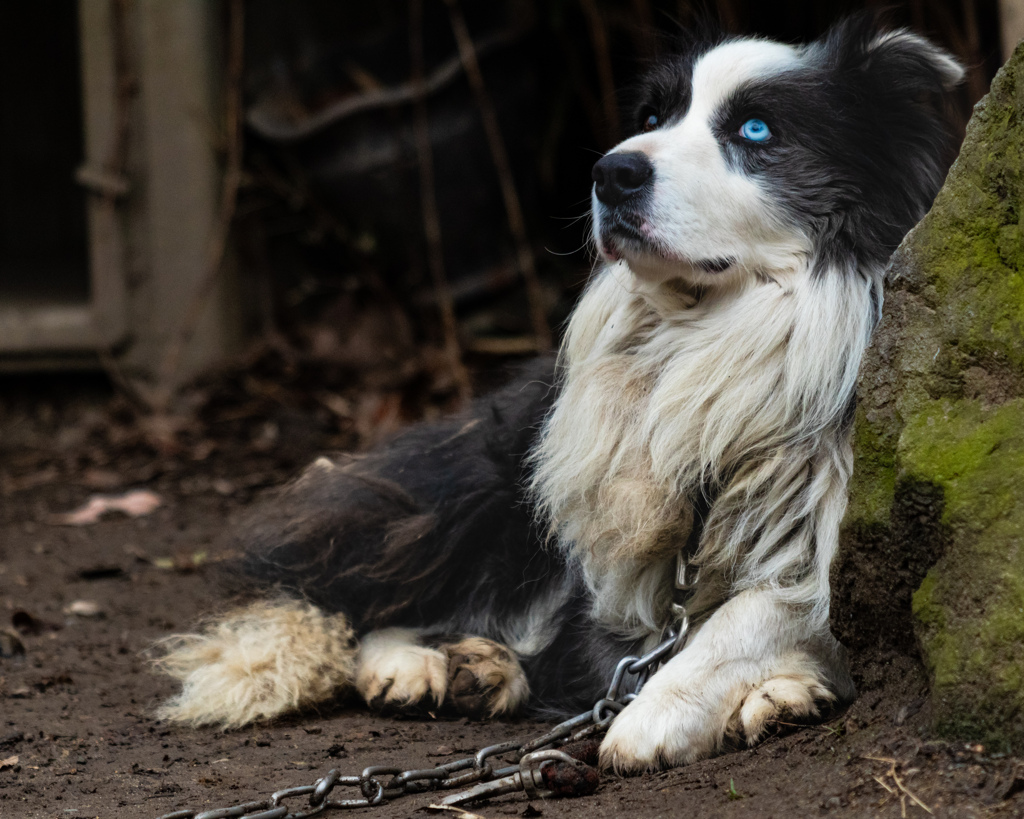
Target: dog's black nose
point(618, 176)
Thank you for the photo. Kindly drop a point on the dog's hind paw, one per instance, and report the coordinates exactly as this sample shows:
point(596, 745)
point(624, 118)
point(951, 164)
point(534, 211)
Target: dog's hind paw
point(778, 701)
point(257, 663)
point(396, 674)
point(484, 678)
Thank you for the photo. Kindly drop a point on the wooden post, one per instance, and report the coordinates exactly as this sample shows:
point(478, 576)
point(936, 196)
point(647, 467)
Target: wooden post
point(1011, 25)
point(180, 129)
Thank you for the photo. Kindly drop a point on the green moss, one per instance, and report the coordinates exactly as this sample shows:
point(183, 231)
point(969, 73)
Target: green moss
point(970, 608)
point(970, 245)
point(925, 609)
point(971, 452)
point(872, 487)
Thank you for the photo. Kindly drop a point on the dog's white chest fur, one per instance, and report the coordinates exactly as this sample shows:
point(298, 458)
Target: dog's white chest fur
point(665, 396)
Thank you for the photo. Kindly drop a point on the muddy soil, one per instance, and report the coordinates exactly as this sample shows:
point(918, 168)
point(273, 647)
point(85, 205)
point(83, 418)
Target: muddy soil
point(78, 737)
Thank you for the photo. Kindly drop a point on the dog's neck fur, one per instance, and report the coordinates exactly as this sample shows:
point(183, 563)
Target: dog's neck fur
point(667, 393)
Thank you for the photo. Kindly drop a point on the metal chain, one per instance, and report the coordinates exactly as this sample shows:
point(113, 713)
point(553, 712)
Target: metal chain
point(539, 770)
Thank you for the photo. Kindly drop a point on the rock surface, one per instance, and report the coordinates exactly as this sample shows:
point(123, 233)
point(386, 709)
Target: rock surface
point(936, 518)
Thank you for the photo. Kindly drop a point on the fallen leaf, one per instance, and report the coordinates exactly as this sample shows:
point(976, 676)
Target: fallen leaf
point(10, 762)
point(136, 504)
point(84, 608)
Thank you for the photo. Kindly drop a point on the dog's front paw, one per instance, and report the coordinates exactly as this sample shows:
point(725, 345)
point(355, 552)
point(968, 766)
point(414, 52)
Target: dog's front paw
point(679, 722)
point(660, 729)
point(395, 675)
point(484, 678)
point(785, 699)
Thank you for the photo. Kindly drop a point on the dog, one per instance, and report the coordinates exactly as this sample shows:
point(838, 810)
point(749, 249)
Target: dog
point(697, 420)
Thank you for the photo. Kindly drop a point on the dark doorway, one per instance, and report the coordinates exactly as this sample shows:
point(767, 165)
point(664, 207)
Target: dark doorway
point(43, 254)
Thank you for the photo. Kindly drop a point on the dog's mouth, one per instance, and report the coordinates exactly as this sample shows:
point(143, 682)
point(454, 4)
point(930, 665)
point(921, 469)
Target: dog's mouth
point(626, 234)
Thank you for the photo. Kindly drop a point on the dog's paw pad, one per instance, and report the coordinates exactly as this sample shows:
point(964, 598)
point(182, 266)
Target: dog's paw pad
point(779, 702)
point(484, 678)
point(406, 679)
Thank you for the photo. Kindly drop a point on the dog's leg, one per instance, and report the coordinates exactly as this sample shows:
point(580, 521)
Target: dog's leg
point(474, 676)
point(749, 666)
point(258, 663)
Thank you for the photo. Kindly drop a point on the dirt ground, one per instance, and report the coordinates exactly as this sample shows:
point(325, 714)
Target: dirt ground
point(77, 732)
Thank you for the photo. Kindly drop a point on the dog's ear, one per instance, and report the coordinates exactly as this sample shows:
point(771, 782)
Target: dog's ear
point(889, 60)
point(913, 60)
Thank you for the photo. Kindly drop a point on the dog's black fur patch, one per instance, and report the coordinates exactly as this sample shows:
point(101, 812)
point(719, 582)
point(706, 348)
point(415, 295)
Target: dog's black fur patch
point(434, 530)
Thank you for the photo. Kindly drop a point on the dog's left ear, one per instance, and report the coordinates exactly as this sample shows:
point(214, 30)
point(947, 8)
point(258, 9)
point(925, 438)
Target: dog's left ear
point(913, 62)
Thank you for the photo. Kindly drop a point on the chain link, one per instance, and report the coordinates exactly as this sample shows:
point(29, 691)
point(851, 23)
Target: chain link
point(378, 784)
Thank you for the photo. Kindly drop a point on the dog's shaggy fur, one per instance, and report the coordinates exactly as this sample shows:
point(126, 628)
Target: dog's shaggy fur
point(701, 405)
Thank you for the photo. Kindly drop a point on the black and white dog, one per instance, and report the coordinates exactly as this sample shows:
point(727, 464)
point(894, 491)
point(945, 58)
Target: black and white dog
point(700, 410)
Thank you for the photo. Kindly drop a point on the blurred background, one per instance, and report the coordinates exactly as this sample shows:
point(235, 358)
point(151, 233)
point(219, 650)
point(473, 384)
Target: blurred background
point(262, 229)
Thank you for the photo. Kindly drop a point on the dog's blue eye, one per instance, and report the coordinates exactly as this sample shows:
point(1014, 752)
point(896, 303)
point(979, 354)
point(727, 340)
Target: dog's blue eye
point(756, 130)
point(651, 122)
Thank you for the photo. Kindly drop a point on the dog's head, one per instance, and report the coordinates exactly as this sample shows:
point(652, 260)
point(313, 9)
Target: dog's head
point(754, 158)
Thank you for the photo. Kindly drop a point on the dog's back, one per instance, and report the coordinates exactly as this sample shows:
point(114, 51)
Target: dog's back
point(418, 531)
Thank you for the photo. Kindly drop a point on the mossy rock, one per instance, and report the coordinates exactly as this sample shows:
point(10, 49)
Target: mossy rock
point(936, 517)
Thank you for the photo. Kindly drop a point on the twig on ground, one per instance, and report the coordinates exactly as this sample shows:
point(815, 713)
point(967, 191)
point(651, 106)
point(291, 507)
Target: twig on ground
point(881, 782)
point(513, 209)
point(905, 791)
point(465, 814)
point(428, 204)
point(171, 363)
